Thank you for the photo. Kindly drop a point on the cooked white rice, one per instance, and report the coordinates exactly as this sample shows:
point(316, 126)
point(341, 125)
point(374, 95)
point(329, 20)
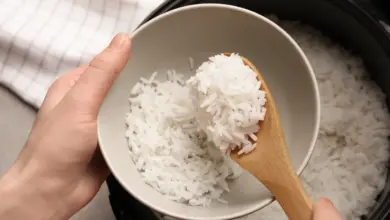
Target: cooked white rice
point(229, 103)
point(175, 128)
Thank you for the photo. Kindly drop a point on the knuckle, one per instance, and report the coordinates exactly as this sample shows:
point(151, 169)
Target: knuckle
point(100, 63)
point(104, 62)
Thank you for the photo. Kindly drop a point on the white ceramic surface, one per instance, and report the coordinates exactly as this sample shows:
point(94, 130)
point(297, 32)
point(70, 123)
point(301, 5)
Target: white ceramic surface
point(200, 31)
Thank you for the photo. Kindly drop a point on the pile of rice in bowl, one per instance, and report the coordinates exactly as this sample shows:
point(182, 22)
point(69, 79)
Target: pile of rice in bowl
point(180, 131)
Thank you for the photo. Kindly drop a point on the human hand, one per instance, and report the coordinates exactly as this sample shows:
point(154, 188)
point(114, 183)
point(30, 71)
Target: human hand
point(325, 210)
point(59, 169)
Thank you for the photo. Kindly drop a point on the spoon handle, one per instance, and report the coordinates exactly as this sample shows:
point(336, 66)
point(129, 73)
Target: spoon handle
point(289, 192)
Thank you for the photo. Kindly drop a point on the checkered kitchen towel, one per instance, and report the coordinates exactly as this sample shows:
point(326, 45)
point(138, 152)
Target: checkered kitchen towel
point(41, 39)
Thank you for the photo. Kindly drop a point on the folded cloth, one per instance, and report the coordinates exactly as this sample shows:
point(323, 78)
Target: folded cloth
point(42, 39)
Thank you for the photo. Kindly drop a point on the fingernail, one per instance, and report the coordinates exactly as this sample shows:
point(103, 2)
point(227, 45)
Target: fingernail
point(327, 202)
point(120, 41)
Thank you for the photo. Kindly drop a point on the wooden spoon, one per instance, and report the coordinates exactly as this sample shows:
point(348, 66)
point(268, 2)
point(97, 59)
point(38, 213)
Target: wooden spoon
point(270, 162)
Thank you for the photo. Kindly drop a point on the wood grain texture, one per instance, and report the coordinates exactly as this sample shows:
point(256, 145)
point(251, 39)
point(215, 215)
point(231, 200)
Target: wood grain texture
point(270, 162)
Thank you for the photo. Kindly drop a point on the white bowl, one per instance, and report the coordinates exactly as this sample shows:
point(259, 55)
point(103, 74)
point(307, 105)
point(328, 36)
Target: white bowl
point(201, 31)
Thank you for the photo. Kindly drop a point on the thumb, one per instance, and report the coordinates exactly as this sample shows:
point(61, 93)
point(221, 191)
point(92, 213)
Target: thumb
point(324, 210)
point(59, 89)
point(91, 88)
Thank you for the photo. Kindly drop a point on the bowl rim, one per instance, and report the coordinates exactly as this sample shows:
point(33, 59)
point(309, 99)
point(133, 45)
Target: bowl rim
point(309, 153)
